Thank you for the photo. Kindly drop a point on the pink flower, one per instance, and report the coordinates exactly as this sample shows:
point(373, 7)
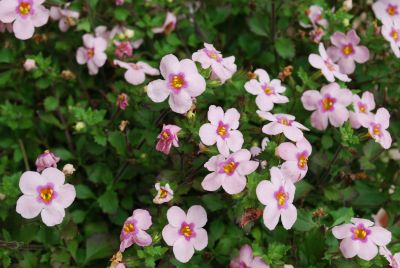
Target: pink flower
point(134, 229)
point(119, 2)
point(316, 34)
point(136, 72)
point(267, 91)
point(377, 126)
point(277, 195)
point(46, 194)
point(362, 107)
point(182, 83)
point(92, 53)
point(346, 50)
point(386, 10)
point(29, 65)
point(391, 32)
point(361, 238)
point(394, 260)
point(222, 130)
point(122, 101)
point(326, 65)
point(66, 18)
point(26, 15)
point(296, 156)
point(46, 160)
point(229, 172)
point(123, 48)
point(282, 123)
point(168, 26)
point(185, 232)
point(222, 68)
point(247, 260)
point(314, 13)
point(330, 104)
point(164, 194)
point(167, 138)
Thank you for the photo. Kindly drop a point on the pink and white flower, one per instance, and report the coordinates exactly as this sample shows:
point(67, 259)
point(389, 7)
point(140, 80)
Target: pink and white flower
point(346, 51)
point(26, 15)
point(46, 194)
point(134, 230)
point(123, 48)
point(362, 107)
point(92, 53)
point(164, 194)
point(282, 123)
point(329, 104)
point(247, 260)
point(222, 68)
point(168, 26)
point(386, 10)
point(182, 83)
point(295, 167)
point(277, 195)
point(65, 17)
point(377, 126)
point(267, 91)
point(167, 138)
point(222, 130)
point(136, 72)
point(315, 13)
point(46, 160)
point(329, 69)
point(361, 238)
point(229, 172)
point(122, 101)
point(29, 65)
point(394, 260)
point(185, 232)
point(391, 32)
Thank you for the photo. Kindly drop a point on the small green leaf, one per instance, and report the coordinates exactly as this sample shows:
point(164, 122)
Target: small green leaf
point(51, 103)
point(108, 202)
point(285, 47)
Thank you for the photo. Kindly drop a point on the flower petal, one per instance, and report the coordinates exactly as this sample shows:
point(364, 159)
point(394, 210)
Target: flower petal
point(170, 234)
point(265, 192)
point(342, 231)
point(247, 167)
point(235, 140)
point(349, 248)
point(180, 103)
point(52, 215)
point(234, 184)
point(231, 118)
point(197, 215)
point(29, 182)
point(28, 206)
point(208, 134)
point(212, 182)
point(183, 250)
point(201, 239)
point(54, 176)
point(310, 99)
point(288, 216)
point(66, 195)
point(380, 236)
point(271, 216)
point(23, 28)
point(143, 218)
point(367, 251)
point(143, 239)
point(158, 91)
point(176, 216)
point(169, 64)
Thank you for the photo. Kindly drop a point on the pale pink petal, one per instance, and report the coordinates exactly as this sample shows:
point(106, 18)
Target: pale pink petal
point(349, 248)
point(342, 231)
point(304, 145)
point(143, 218)
point(334, 53)
point(212, 182)
point(247, 167)
point(176, 216)
point(99, 58)
point(215, 114)
point(93, 68)
point(29, 182)
point(158, 91)
point(273, 128)
point(23, 28)
point(126, 243)
point(148, 69)
point(328, 74)
point(319, 120)
point(271, 216)
point(291, 171)
point(188, 66)
point(316, 61)
point(208, 134)
point(380, 236)
point(338, 116)
point(287, 151)
point(288, 216)
point(7, 10)
point(100, 44)
point(266, 115)
point(369, 100)
point(231, 118)
point(344, 97)
point(54, 176)
point(235, 140)
point(222, 146)
point(382, 117)
point(55, 13)
point(212, 164)
point(201, 239)
point(347, 65)
point(262, 75)
point(81, 55)
point(367, 251)
point(180, 103)
point(63, 25)
point(361, 54)
point(234, 184)
point(366, 223)
point(143, 239)
point(40, 16)
point(88, 40)
point(28, 206)
point(253, 87)
point(264, 103)
point(246, 254)
point(338, 38)
point(66, 195)
point(276, 176)
point(197, 215)
point(258, 262)
point(183, 250)
point(52, 215)
point(265, 192)
point(293, 133)
point(352, 37)
point(196, 85)
point(241, 155)
point(310, 99)
point(169, 65)
point(134, 77)
point(170, 234)
point(386, 140)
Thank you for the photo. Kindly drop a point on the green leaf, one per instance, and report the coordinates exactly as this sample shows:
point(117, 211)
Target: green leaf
point(342, 215)
point(285, 47)
point(117, 140)
point(108, 202)
point(51, 103)
point(258, 24)
point(121, 13)
point(83, 192)
point(304, 221)
point(99, 173)
point(99, 246)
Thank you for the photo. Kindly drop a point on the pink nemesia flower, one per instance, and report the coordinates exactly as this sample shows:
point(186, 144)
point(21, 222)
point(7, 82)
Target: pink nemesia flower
point(6, 26)
point(329, 69)
point(29, 65)
point(46, 160)
point(222, 68)
point(229, 172)
point(267, 91)
point(386, 10)
point(136, 72)
point(247, 260)
point(346, 50)
point(362, 107)
point(26, 15)
point(101, 31)
point(122, 101)
point(361, 238)
point(377, 126)
point(330, 104)
point(92, 53)
point(314, 13)
point(134, 229)
point(46, 194)
point(316, 34)
point(391, 32)
point(164, 194)
point(168, 26)
point(277, 195)
point(123, 49)
point(296, 156)
point(182, 83)
point(222, 130)
point(66, 18)
point(167, 138)
point(394, 260)
point(282, 123)
point(185, 232)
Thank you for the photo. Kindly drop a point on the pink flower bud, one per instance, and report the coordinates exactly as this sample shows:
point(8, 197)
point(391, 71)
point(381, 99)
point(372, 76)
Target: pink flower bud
point(29, 65)
point(46, 160)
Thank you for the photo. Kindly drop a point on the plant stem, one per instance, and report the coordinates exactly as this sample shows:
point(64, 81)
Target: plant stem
point(25, 156)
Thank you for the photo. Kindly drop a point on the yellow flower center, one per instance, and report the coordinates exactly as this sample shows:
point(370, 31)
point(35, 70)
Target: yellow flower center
point(213, 55)
point(177, 82)
point(90, 53)
point(360, 233)
point(268, 90)
point(129, 228)
point(221, 130)
point(327, 103)
point(46, 194)
point(165, 135)
point(391, 10)
point(24, 8)
point(302, 162)
point(163, 193)
point(186, 231)
point(362, 108)
point(230, 167)
point(281, 198)
point(347, 49)
point(376, 130)
point(284, 121)
point(70, 21)
point(395, 35)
